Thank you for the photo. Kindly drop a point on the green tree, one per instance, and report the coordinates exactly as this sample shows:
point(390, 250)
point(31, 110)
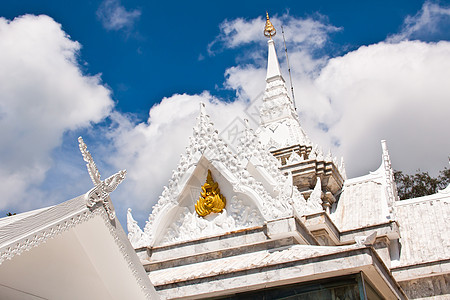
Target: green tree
point(420, 184)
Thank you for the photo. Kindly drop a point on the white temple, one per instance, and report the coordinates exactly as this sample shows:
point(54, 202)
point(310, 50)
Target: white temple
point(275, 219)
point(278, 219)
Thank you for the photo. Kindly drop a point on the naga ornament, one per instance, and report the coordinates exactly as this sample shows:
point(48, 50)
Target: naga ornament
point(102, 189)
point(210, 200)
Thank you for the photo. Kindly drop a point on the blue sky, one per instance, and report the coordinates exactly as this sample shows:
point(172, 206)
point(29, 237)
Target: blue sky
point(164, 41)
point(363, 71)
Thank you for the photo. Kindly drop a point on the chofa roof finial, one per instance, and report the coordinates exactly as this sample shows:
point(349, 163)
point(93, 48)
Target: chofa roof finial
point(269, 30)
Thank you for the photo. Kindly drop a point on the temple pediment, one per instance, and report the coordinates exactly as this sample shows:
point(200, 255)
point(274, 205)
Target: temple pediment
point(239, 206)
point(253, 189)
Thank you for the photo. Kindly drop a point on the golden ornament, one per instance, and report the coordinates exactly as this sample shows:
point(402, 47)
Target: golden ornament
point(269, 30)
point(210, 199)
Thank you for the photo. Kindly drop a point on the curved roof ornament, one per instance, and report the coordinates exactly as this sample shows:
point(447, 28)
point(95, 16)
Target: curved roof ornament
point(102, 189)
point(269, 30)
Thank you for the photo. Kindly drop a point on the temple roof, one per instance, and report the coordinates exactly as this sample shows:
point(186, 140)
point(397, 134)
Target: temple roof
point(367, 200)
point(80, 239)
point(85, 245)
point(424, 229)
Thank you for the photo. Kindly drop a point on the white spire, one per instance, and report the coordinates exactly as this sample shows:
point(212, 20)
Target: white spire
point(273, 67)
point(279, 119)
point(277, 104)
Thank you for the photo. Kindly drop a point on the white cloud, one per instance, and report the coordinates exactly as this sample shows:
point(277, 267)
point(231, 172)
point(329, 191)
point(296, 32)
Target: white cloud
point(238, 32)
point(43, 94)
point(430, 23)
point(310, 32)
point(397, 92)
point(114, 16)
point(151, 150)
point(253, 77)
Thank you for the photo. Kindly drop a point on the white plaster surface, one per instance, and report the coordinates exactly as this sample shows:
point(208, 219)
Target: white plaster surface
point(272, 268)
point(273, 67)
point(241, 262)
point(361, 204)
point(367, 200)
point(424, 229)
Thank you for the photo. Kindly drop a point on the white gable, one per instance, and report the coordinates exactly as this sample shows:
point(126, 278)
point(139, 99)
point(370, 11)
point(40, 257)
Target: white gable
point(255, 190)
point(369, 199)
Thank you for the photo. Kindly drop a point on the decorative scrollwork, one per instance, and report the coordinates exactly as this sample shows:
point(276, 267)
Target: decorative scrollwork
point(91, 166)
point(100, 193)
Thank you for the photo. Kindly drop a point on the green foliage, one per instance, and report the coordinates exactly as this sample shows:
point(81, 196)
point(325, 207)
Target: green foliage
point(420, 184)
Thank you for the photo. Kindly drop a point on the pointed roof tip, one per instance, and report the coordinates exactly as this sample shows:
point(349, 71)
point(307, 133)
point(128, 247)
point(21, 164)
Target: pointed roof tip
point(269, 29)
point(384, 145)
point(384, 148)
point(203, 120)
point(273, 66)
point(202, 108)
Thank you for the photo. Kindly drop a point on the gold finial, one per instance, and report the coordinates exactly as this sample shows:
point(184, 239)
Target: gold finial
point(269, 30)
point(210, 200)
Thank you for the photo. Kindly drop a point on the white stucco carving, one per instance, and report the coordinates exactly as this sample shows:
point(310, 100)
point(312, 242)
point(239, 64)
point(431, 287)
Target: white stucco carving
point(329, 156)
point(135, 234)
point(100, 193)
point(391, 188)
point(102, 189)
point(366, 240)
point(251, 147)
point(315, 199)
point(342, 169)
point(206, 147)
point(190, 226)
point(294, 158)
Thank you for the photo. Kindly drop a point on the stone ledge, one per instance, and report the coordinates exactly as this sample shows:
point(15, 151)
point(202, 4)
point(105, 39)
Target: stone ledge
point(290, 227)
point(323, 228)
point(349, 261)
point(389, 229)
point(422, 270)
point(213, 243)
point(223, 253)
